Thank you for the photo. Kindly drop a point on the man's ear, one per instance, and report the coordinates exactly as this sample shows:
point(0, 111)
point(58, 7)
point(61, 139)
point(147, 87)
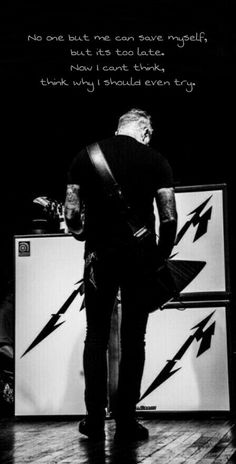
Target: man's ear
point(146, 136)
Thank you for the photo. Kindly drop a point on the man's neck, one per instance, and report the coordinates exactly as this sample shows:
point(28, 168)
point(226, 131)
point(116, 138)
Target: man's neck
point(130, 133)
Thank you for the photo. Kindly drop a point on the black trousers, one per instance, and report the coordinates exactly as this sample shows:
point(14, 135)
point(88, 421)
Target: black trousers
point(106, 271)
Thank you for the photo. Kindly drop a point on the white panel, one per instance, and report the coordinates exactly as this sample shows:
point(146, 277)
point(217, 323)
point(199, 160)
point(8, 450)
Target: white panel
point(49, 378)
point(201, 384)
point(210, 246)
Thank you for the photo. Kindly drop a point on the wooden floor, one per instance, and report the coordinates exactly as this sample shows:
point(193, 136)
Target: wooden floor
point(175, 441)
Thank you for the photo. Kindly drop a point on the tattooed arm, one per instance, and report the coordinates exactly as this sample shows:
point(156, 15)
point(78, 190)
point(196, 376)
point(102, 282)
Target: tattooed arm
point(165, 200)
point(73, 213)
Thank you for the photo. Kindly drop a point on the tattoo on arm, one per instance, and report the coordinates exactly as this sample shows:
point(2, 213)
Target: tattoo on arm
point(166, 205)
point(73, 207)
point(72, 195)
point(165, 199)
point(72, 201)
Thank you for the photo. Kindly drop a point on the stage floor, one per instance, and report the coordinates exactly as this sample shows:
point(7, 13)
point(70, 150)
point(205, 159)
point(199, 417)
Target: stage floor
point(172, 440)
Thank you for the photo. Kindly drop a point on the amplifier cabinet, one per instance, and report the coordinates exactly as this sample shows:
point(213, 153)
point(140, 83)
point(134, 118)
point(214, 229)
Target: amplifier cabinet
point(186, 366)
point(49, 326)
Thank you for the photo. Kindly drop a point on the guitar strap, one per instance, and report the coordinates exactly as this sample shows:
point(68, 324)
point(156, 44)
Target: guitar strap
point(113, 190)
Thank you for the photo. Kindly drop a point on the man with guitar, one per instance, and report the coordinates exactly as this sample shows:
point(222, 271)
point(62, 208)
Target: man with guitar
point(95, 215)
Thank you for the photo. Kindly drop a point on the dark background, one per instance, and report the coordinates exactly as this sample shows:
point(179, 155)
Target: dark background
point(43, 128)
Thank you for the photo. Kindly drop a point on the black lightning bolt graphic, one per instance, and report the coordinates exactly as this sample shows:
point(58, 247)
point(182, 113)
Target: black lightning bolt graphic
point(205, 338)
point(52, 323)
point(201, 221)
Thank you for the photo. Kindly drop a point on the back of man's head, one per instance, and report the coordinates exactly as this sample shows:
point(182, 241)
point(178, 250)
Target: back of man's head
point(137, 124)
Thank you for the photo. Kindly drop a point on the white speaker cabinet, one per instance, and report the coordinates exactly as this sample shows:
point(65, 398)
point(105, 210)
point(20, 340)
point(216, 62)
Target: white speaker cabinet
point(186, 366)
point(202, 236)
point(49, 326)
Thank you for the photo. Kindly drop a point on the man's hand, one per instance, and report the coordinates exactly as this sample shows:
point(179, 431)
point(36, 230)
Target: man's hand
point(74, 214)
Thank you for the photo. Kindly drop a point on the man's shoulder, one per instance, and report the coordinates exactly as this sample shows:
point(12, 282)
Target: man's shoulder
point(129, 142)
